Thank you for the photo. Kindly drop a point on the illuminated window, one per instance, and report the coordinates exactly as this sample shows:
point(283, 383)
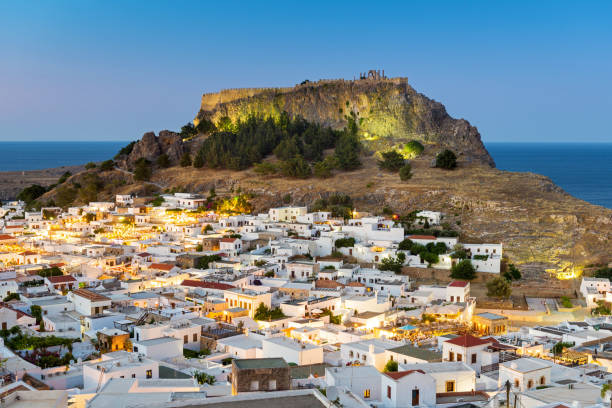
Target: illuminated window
point(366, 393)
point(450, 386)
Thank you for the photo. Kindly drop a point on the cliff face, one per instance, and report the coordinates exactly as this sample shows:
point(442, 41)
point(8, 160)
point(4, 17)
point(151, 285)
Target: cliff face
point(390, 112)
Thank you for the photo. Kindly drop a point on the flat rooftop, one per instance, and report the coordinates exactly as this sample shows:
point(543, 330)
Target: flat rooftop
point(255, 363)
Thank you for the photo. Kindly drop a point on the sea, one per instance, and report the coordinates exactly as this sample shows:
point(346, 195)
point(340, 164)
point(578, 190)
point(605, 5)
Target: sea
point(17, 156)
point(582, 169)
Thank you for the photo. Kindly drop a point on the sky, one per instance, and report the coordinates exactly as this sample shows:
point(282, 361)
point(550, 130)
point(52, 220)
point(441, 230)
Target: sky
point(533, 71)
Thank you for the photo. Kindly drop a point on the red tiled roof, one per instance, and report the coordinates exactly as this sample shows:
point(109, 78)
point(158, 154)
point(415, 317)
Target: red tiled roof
point(19, 312)
point(458, 284)
point(13, 226)
point(88, 294)
point(206, 285)
point(355, 284)
point(399, 374)
point(327, 284)
point(143, 254)
point(28, 253)
point(468, 340)
point(56, 265)
point(61, 279)
point(421, 237)
point(230, 240)
point(4, 237)
point(161, 266)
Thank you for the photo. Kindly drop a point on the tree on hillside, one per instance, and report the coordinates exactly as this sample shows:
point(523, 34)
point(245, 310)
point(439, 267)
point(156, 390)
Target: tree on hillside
point(391, 161)
point(463, 270)
point(413, 149)
point(446, 160)
point(198, 161)
point(498, 287)
point(142, 170)
point(107, 165)
point(163, 161)
point(185, 160)
point(405, 172)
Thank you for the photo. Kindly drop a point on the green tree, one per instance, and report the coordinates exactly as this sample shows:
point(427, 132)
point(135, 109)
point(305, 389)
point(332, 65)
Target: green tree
point(12, 296)
point(393, 264)
point(125, 151)
point(64, 177)
point(391, 161)
point(31, 193)
point(142, 170)
point(413, 149)
point(90, 165)
point(446, 160)
point(405, 172)
point(296, 167)
point(348, 149)
point(107, 165)
point(344, 242)
point(498, 287)
point(391, 366)
point(463, 270)
point(163, 161)
point(198, 160)
point(185, 160)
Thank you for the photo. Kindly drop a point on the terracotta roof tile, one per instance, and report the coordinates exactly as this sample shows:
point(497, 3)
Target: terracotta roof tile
point(399, 374)
point(88, 294)
point(458, 284)
point(206, 285)
point(468, 340)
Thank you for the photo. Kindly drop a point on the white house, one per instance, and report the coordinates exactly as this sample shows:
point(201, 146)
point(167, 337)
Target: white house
point(230, 246)
point(292, 351)
point(449, 377)
point(287, 214)
point(161, 348)
point(89, 303)
point(118, 364)
point(457, 291)
point(247, 345)
point(594, 289)
point(411, 388)
point(367, 352)
point(432, 217)
point(363, 381)
point(466, 348)
point(525, 373)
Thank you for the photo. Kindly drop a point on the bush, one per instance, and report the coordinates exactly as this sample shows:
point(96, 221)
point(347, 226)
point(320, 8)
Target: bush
point(264, 313)
point(348, 147)
point(391, 366)
point(157, 201)
point(163, 161)
point(324, 168)
point(125, 151)
point(64, 177)
point(198, 161)
point(296, 167)
point(566, 302)
point(90, 165)
point(391, 161)
point(107, 165)
point(29, 194)
point(46, 272)
point(142, 170)
point(12, 296)
point(463, 270)
point(413, 149)
point(344, 242)
point(204, 261)
point(446, 160)
point(265, 168)
point(393, 264)
point(512, 273)
point(185, 160)
point(498, 287)
point(405, 172)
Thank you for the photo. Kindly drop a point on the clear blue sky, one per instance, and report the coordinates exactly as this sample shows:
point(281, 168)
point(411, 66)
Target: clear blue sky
point(111, 70)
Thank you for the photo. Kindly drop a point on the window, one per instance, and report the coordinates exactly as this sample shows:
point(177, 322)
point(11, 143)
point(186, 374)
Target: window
point(474, 358)
point(529, 384)
point(195, 336)
point(272, 385)
point(149, 374)
point(542, 380)
point(459, 357)
point(450, 386)
point(389, 391)
point(254, 385)
point(185, 339)
point(516, 382)
point(366, 393)
point(451, 356)
point(133, 375)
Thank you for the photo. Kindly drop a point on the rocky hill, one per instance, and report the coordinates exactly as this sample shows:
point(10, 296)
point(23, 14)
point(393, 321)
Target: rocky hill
point(539, 224)
point(390, 112)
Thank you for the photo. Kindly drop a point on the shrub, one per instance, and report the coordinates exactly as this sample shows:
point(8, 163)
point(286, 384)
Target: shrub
point(125, 151)
point(393, 264)
point(498, 287)
point(265, 168)
point(64, 177)
point(344, 242)
point(463, 270)
point(90, 165)
point(566, 302)
point(198, 161)
point(324, 168)
point(163, 161)
point(29, 194)
point(446, 160)
point(142, 170)
point(391, 161)
point(107, 165)
point(296, 167)
point(391, 366)
point(185, 160)
point(405, 172)
point(264, 313)
point(11, 296)
point(413, 149)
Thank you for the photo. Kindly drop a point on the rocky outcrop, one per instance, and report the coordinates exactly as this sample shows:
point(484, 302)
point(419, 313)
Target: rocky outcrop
point(151, 147)
point(390, 113)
